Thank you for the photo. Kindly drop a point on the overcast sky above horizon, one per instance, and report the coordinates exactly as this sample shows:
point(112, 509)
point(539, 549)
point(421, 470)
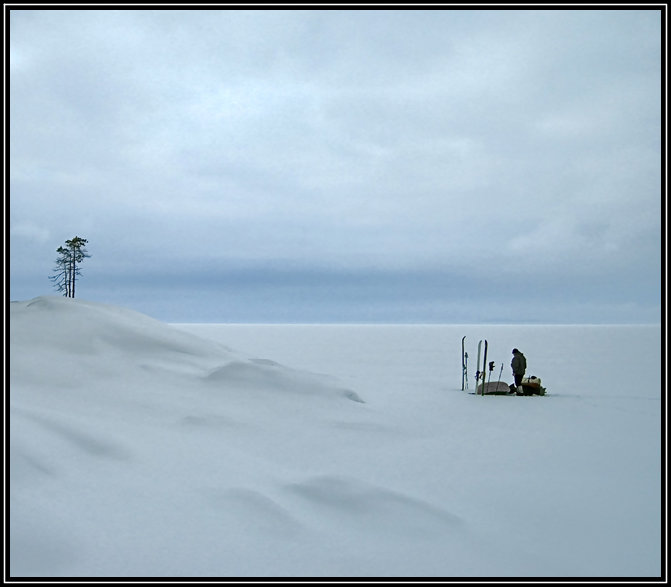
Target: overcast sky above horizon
point(341, 165)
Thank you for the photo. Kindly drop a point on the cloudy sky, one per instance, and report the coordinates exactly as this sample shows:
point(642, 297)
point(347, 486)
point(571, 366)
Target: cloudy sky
point(342, 165)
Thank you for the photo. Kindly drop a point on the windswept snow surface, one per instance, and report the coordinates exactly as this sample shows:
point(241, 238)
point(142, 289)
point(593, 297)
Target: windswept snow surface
point(151, 450)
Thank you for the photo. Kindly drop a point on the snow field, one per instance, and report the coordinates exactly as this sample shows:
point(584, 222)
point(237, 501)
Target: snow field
point(145, 449)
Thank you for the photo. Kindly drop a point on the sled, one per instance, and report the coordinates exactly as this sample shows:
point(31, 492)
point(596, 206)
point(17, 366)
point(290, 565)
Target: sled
point(494, 388)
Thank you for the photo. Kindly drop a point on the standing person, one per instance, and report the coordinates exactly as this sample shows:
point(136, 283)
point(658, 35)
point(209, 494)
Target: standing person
point(519, 366)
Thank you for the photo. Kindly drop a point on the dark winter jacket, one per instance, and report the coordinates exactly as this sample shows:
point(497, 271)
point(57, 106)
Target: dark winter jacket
point(519, 364)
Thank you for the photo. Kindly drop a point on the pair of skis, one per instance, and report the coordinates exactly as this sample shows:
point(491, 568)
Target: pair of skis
point(464, 365)
point(480, 367)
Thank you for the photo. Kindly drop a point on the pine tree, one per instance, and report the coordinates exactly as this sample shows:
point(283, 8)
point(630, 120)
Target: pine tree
point(61, 276)
point(67, 270)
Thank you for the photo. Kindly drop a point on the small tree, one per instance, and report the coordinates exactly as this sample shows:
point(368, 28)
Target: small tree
point(61, 277)
point(67, 270)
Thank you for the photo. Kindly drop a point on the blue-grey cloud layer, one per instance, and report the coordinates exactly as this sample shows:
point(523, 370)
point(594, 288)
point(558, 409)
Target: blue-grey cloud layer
point(342, 165)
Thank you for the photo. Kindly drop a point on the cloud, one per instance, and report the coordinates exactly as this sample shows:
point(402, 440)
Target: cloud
point(30, 232)
point(442, 140)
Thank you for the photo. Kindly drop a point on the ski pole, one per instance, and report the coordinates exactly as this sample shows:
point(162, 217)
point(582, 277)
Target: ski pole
point(499, 381)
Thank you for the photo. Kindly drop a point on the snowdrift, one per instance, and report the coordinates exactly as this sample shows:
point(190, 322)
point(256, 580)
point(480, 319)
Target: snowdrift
point(113, 415)
point(74, 342)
